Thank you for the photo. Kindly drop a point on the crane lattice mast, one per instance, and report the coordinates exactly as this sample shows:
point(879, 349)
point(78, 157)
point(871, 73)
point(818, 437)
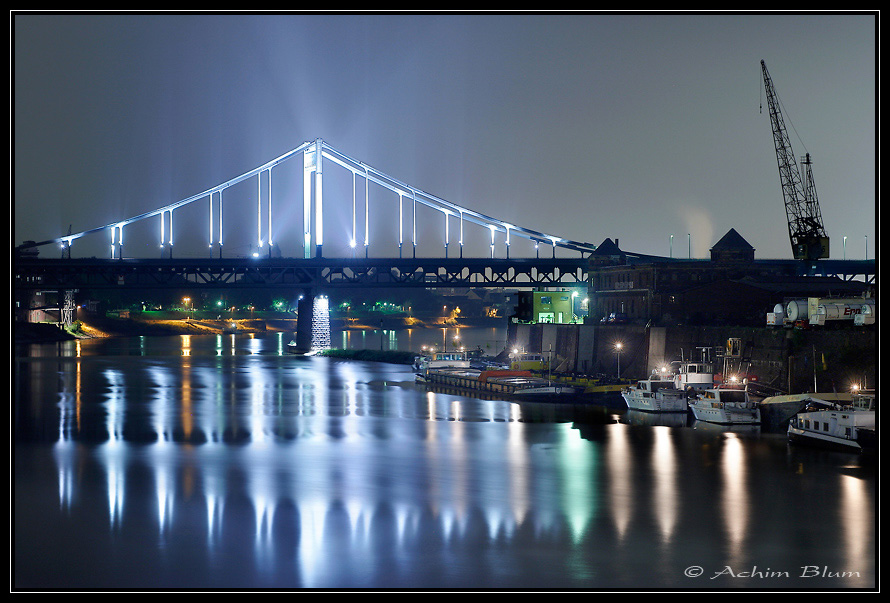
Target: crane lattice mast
point(805, 228)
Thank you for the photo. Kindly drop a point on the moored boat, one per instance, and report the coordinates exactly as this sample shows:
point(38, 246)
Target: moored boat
point(692, 376)
point(725, 406)
point(437, 360)
point(835, 425)
point(509, 383)
point(655, 395)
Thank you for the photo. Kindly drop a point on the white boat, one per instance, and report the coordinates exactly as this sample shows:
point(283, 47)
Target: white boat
point(655, 395)
point(835, 425)
point(422, 364)
point(692, 375)
point(725, 406)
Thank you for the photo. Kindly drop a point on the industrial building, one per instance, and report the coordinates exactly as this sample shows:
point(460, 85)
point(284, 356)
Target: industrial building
point(729, 288)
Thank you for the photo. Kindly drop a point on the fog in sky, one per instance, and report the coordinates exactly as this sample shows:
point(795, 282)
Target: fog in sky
point(585, 126)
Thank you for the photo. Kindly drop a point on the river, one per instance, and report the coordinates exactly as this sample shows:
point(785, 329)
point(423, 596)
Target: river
point(224, 462)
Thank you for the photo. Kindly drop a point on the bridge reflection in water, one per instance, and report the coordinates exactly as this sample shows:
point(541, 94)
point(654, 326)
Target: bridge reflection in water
point(265, 470)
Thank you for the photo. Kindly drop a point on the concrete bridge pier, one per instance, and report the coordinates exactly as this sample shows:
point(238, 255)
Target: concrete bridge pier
point(303, 336)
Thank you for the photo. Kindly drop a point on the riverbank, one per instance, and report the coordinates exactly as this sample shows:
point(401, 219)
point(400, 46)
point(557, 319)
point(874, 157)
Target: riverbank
point(176, 323)
point(24, 333)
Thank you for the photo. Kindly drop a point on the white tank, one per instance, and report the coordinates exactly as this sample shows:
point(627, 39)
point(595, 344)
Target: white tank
point(839, 311)
point(796, 309)
point(867, 315)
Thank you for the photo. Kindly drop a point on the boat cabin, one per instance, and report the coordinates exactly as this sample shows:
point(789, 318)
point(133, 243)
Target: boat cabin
point(528, 362)
point(653, 385)
point(694, 375)
point(448, 357)
point(724, 395)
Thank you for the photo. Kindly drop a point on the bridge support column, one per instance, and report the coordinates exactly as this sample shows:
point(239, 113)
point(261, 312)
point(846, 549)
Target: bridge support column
point(303, 336)
point(312, 160)
point(67, 307)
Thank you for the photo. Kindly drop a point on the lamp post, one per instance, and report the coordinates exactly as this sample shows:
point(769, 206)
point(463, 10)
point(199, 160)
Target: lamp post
point(618, 351)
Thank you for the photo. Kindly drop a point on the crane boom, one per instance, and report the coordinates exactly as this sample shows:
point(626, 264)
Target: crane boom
point(805, 228)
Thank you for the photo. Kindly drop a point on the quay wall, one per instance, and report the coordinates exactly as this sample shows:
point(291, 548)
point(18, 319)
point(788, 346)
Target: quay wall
point(787, 360)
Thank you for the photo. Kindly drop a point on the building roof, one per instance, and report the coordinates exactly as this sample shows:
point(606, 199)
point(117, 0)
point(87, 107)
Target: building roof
point(732, 240)
point(608, 247)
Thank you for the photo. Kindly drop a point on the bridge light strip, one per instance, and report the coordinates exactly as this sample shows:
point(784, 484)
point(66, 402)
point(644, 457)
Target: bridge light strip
point(163, 215)
point(259, 211)
point(367, 217)
point(210, 222)
point(507, 228)
point(319, 215)
point(352, 241)
point(220, 219)
point(445, 213)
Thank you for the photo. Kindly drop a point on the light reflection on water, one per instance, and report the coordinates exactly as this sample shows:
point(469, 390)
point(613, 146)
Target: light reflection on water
point(237, 465)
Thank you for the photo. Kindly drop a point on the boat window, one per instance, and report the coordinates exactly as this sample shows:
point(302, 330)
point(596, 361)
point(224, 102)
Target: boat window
point(732, 395)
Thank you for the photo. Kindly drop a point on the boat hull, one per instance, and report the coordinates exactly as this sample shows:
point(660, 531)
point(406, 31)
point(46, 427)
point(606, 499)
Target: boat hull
point(723, 414)
point(655, 402)
point(545, 393)
point(797, 435)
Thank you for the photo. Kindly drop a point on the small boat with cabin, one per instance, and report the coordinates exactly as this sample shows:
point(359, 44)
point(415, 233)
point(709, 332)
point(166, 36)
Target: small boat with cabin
point(725, 406)
point(437, 360)
point(655, 394)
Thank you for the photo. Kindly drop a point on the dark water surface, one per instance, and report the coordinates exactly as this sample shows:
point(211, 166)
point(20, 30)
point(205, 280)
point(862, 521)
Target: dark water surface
point(224, 462)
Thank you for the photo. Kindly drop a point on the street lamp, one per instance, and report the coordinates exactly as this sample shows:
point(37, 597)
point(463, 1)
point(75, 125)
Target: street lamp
point(618, 351)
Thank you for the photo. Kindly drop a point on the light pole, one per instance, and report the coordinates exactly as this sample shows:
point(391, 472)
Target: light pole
point(618, 350)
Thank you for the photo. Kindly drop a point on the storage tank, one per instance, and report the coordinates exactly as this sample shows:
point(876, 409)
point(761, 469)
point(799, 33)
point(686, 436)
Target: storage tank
point(867, 314)
point(796, 309)
point(840, 311)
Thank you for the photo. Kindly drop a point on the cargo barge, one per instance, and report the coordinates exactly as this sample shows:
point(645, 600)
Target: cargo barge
point(520, 385)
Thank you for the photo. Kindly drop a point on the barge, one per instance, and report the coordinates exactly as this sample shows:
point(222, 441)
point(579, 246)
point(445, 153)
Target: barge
point(518, 384)
point(850, 427)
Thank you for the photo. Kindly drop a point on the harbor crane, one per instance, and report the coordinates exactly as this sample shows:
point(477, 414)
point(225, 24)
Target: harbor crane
point(805, 228)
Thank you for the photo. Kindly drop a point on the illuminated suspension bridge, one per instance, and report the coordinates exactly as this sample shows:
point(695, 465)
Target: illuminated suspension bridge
point(317, 157)
point(315, 271)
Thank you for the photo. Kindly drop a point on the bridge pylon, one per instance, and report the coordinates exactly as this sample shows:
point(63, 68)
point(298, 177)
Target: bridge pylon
point(312, 199)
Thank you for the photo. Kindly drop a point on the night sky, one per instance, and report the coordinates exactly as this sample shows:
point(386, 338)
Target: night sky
point(585, 126)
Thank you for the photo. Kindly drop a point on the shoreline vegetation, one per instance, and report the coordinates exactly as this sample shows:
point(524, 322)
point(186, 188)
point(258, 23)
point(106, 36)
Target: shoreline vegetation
point(388, 356)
